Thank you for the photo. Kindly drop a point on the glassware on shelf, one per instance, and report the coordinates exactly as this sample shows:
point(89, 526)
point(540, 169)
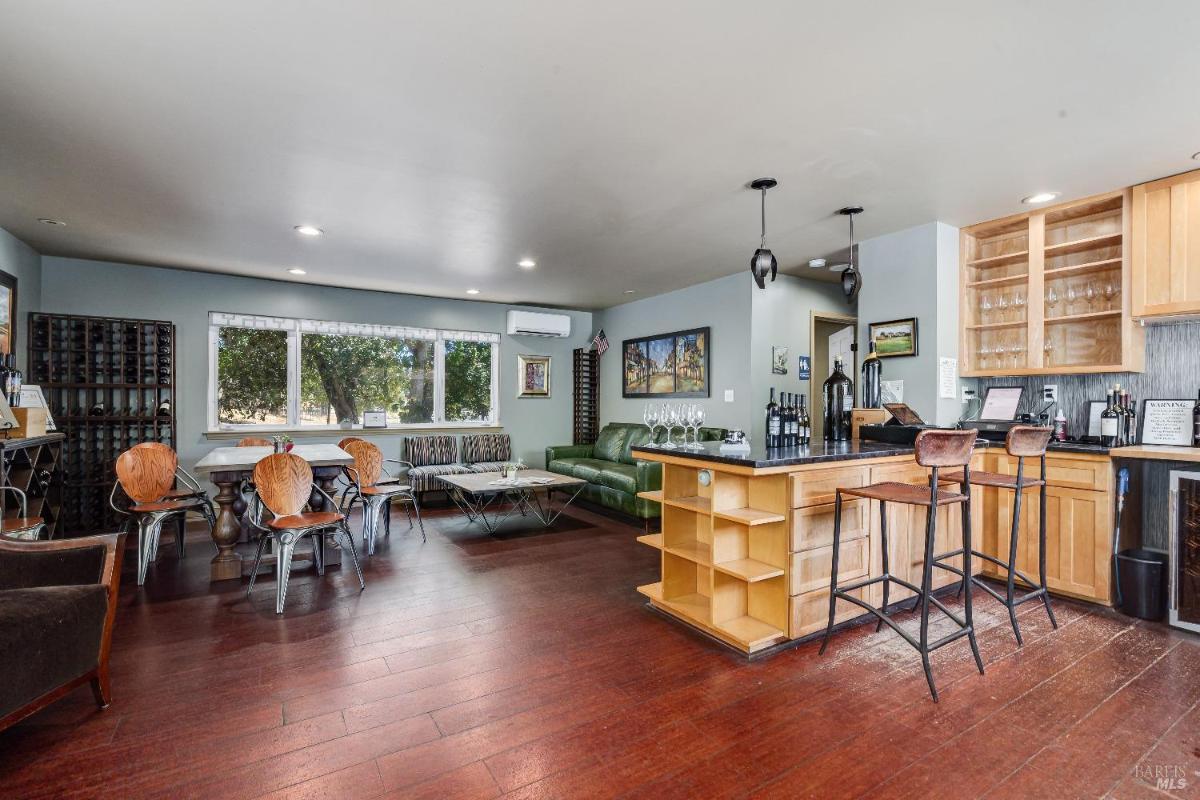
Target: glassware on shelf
point(1018, 306)
point(1048, 353)
point(985, 308)
point(1091, 295)
point(1002, 308)
point(1111, 290)
point(1071, 298)
point(1051, 300)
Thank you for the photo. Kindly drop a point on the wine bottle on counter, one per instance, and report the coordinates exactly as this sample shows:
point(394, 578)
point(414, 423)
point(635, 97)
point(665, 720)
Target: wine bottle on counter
point(804, 427)
point(1196, 422)
point(1109, 421)
point(839, 399)
point(12, 381)
point(785, 425)
point(793, 424)
point(772, 429)
point(1133, 429)
point(795, 420)
point(872, 373)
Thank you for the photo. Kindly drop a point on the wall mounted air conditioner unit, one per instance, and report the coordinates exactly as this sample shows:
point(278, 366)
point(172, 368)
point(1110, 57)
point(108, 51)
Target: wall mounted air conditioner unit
point(528, 323)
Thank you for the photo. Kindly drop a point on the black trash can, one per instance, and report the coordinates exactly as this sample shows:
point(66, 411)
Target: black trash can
point(1142, 578)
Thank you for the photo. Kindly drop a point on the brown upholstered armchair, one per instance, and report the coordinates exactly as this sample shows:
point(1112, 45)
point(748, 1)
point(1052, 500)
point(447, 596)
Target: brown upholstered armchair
point(57, 604)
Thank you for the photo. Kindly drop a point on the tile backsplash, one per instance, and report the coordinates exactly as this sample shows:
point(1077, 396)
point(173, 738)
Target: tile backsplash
point(1172, 370)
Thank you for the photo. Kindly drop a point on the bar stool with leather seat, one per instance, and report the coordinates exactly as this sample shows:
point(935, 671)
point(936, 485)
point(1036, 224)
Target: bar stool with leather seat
point(284, 484)
point(371, 486)
point(935, 449)
point(21, 526)
point(1022, 442)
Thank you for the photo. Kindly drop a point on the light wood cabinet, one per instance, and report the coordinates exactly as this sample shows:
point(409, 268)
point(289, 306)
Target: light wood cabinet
point(1165, 258)
point(1047, 292)
point(1079, 523)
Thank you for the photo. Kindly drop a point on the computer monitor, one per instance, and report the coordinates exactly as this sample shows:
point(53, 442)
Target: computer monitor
point(1000, 404)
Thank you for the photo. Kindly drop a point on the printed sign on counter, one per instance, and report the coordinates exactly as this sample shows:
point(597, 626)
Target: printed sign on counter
point(1167, 422)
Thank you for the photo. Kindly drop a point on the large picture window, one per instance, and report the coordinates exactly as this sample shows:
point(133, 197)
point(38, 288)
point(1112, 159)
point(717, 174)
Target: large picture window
point(274, 372)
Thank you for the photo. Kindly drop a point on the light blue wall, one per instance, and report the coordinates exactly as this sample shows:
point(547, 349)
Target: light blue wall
point(914, 273)
point(25, 264)
point(781, 316)
point(75, 286)
point(724, 306)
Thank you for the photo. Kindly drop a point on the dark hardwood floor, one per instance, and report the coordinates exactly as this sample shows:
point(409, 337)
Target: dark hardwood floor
point(527, 666)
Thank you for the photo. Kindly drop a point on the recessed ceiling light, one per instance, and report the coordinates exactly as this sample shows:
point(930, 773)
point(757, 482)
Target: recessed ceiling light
point(49, 221)
point(630, 291)
point(1040, 197)
point(308, 230)
point(526, 263)
point(297, 271)
point(472, 291)
point(817, 263)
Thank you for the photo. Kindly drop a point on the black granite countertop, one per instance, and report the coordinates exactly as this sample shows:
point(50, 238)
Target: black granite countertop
point(828, 452)
point(759, 457)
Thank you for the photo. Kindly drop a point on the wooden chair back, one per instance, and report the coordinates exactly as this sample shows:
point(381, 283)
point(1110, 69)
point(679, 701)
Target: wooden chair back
point(284, 483)
point(1027, 441)
point(937, 448)
point(146, 473)
point(368, 460)
point(255, 441)
point(342, 444)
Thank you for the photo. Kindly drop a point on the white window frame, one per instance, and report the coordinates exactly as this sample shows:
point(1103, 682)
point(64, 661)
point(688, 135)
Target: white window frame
point(297, 327)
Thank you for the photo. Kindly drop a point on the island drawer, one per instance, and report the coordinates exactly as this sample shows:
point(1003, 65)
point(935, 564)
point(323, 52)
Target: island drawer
point(811, 569)
point(809, 612)
point(813, 526)
point(816, 487)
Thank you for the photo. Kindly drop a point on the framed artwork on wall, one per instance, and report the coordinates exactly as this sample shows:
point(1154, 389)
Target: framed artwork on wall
point(666, 365)
point(8, 313)
point(895, 338)
point(533, 376)
point(779, 360)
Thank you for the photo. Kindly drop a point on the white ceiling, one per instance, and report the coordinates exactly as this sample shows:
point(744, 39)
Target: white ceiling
point(439, 142)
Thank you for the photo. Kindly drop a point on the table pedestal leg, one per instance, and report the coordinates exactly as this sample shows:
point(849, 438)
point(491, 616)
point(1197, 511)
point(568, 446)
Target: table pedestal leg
point(227, 563)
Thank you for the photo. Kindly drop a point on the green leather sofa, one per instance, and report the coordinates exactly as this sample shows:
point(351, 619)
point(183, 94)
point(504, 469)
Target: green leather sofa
point(613, 474)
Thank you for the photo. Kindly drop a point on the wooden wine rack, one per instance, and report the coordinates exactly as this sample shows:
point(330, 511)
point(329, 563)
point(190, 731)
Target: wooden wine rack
point(104, 379)
point(31, 464)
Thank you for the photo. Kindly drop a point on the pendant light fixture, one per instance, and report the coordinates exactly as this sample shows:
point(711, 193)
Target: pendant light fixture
point(851, 277)
point(763, 260)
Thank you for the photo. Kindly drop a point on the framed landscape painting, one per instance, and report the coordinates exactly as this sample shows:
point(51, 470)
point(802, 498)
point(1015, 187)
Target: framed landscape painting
point(666, 365)
point(8, 313)
point(895, 338)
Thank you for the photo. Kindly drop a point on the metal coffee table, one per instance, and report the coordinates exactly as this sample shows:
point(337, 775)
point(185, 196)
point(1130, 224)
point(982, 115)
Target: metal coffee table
point(481, 494)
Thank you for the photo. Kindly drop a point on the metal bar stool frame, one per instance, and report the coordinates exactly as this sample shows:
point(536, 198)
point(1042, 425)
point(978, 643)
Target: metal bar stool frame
point(924, 595)
point(1022, 441)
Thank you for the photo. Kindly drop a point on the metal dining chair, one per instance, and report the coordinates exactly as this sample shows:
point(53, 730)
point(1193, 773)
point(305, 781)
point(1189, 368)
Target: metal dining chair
point(23, 526)
point(284, 484)
point(188, 488)
point(146, 475)
point(375, 489)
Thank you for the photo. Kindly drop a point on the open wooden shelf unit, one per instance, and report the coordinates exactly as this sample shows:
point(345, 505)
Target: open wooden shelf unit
point(724, 546)
point(1048, 292)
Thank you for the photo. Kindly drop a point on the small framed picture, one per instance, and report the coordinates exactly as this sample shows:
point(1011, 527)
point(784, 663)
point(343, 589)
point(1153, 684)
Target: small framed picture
point(1095, 409)
point(779, 360)
point(533, 376)
point(1166, 422)
point(375, 418)
point(895, 338)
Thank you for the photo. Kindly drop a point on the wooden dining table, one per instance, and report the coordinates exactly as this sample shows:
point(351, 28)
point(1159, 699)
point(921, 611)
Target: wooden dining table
point(229, 467)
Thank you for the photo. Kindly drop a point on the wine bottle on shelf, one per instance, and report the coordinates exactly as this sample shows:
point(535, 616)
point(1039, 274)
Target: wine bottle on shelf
point(805, 426)
point(839, 399)
point(1196, 422)
point(1109, 421)
point(164, 409)
point(17, 380)
point(772, 429)
point(872, 373)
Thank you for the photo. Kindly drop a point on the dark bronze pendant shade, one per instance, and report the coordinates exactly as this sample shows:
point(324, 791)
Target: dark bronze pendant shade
point(763, 261)
point(851, 277)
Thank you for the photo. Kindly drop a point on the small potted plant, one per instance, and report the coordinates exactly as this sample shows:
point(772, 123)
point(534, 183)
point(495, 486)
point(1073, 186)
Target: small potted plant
point(283, 443)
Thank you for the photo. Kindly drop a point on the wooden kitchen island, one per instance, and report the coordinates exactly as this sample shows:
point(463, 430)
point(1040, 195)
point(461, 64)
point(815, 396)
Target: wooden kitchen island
point(747, 543)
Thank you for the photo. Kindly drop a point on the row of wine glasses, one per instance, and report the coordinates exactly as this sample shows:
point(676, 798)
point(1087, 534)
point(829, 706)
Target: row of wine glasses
point(1005, 305)
point(689, 416)
point(1002, 352)
point(1079, 297)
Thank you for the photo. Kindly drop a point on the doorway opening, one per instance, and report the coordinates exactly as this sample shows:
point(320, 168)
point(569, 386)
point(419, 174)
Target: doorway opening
point(830, 335)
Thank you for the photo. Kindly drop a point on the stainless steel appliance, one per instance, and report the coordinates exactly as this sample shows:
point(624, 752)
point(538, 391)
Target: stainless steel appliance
point(1183, 587)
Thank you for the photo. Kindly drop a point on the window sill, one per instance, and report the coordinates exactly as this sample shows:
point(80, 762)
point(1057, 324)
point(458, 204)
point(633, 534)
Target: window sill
point(312, 431)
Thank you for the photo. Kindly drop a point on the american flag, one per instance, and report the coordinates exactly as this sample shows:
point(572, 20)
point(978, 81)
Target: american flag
point(600, 342)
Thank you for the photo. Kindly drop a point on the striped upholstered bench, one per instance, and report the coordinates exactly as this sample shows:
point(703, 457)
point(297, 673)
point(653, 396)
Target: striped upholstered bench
point(486, 452)
point(431, 456)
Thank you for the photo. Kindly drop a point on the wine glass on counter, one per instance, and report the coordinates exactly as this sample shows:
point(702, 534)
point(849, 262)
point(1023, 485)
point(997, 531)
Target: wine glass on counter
point(670, 418)
point(697, 421)
point(650, 416)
